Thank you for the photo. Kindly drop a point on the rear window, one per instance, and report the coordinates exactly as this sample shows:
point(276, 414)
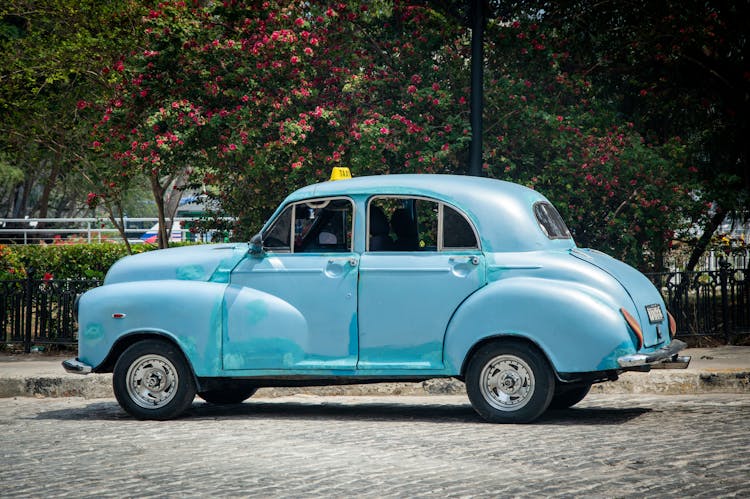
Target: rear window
point(550, 221)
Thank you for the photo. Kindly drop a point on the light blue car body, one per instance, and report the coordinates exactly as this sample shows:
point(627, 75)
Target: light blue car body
point(373, 315)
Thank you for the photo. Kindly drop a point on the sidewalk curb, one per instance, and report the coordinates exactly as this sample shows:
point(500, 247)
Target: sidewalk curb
point(664, 383)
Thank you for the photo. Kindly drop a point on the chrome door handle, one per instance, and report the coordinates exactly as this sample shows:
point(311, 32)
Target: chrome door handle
point(352, 261)
point(474, 260)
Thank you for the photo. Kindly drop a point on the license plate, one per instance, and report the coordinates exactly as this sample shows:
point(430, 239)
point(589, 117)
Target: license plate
point(654, 313)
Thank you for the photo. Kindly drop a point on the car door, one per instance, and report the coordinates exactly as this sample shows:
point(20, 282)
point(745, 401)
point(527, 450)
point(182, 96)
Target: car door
point(412, 280)
point(294, 306)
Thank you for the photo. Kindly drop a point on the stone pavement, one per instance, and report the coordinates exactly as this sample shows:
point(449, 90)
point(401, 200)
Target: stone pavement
point(608, 446)
point(724, 369)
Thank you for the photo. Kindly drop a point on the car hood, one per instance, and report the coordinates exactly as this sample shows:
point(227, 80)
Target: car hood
point(639, 288)
point(192, 263)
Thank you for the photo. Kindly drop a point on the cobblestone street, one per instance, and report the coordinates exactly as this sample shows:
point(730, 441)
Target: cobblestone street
point(301, 446)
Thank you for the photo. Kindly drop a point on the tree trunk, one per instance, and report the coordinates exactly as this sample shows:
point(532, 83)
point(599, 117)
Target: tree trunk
point(119, 223)
point(705, 239)
point(158, 192)
point(48, 185)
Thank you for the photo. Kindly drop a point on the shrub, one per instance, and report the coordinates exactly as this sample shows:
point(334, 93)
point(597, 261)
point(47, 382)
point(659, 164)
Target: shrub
point(69, 261)
point(11, 266)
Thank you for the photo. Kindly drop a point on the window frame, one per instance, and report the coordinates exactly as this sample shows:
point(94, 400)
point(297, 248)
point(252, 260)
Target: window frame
point(313, 201)
point(440, 236)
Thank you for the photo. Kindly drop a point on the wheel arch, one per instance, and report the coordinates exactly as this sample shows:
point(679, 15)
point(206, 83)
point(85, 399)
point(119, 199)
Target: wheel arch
point(126, 341)
point(506, 339)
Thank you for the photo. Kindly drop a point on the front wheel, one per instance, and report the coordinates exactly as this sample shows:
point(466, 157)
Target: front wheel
point(152, 380)
point(509, 382)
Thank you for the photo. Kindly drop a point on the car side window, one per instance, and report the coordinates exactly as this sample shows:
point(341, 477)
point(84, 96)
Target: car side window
point(312, 226)
point(277, 237)
point(550, 221)
point(457, 231)
point(398, 223)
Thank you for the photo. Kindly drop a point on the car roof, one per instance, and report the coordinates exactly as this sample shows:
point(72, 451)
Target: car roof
point(502, 211)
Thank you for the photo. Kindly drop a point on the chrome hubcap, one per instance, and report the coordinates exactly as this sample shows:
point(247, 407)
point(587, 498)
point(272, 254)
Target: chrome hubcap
point(152, 381)
point(507, 383)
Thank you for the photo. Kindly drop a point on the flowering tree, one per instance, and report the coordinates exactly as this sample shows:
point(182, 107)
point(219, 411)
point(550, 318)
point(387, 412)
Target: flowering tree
point(50, 55)
point(678, 71)
point(249, 100)
point(549, 129)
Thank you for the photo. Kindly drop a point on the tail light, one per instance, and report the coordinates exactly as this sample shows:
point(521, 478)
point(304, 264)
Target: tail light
point(634, 326)
point(672, 325)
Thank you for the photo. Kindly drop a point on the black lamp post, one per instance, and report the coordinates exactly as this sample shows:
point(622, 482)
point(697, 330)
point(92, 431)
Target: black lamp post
point(478, 15)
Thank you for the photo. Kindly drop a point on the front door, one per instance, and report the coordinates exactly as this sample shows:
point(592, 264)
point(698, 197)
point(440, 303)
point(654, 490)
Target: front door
point(295, 306)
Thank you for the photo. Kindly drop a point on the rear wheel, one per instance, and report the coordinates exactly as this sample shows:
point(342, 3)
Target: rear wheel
point(509, 382)
point(152, 380)
point(569, 395)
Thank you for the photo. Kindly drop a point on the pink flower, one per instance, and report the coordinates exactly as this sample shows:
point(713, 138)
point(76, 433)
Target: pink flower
point(385, 131)
point(411, 89)
point(294, 59)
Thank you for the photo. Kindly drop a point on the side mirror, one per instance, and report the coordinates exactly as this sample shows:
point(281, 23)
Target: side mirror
point(256, 245)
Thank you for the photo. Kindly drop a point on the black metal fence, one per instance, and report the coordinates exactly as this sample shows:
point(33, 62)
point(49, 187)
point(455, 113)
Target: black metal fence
point(708, 303)
point(713, 303)
point(40, 311)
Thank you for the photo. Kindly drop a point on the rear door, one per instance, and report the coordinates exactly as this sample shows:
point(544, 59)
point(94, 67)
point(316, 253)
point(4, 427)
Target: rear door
point(412, 281)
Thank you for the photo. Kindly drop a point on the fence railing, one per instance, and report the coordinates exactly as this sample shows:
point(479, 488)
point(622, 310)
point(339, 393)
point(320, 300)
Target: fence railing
point(39, 311)
point(708, 303)
point(712, 303)
point(94, 230)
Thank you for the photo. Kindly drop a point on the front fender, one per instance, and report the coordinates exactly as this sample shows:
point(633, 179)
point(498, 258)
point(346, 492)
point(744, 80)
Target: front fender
point(189, 312)
point(579, 328)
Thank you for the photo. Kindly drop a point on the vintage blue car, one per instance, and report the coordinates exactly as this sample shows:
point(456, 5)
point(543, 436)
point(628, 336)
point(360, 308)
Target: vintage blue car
point(385, 278)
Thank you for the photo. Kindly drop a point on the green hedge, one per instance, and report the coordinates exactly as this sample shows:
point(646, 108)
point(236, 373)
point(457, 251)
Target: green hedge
point(72, 261)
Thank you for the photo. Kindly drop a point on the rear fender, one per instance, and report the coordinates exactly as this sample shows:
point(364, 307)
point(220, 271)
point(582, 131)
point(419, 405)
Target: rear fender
point(577, 327)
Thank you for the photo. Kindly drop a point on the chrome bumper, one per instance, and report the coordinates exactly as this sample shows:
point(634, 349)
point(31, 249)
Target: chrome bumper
point(76, 367)
point(664, 358)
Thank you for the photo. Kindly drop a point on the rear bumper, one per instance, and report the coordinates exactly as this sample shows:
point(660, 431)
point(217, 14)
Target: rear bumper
point(664, 358)
point(75, 366)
